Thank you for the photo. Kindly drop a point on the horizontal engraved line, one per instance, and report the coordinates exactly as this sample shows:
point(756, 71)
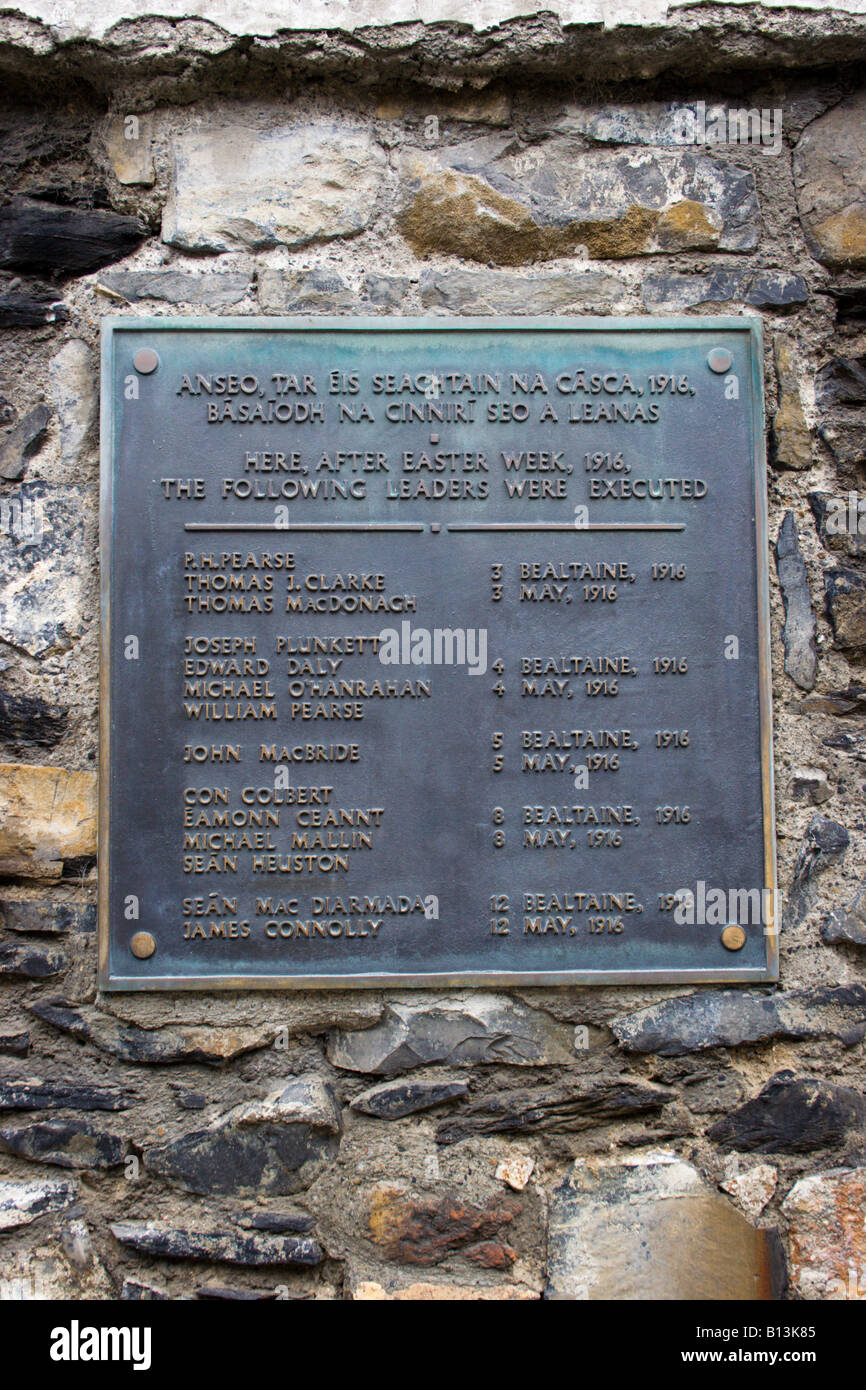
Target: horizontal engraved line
point(301, 526)
point(566, 526)
point(450, 526)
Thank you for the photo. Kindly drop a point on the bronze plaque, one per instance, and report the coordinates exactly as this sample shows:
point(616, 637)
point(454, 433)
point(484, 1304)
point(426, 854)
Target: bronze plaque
point(434, 652)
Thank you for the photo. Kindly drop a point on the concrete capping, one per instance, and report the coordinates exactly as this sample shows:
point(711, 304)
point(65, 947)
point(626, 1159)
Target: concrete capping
point(419, 40)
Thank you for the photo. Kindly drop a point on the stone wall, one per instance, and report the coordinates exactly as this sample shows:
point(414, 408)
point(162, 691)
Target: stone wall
point(370, 1145)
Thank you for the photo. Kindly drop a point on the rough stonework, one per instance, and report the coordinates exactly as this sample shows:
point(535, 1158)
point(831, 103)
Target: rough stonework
point(412, 159)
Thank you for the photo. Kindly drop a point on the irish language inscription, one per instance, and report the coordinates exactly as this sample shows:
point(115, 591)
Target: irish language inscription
point(434, 652)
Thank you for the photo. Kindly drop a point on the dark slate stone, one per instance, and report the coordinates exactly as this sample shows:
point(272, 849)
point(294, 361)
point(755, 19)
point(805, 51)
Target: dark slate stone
point(730, 1018)
point(60, 1095)
point(229, 1247)
point(792, 1115)
point(20, 310)
point(395, 1099)
point(578, 1105)
point(852, 700)
point(840, 387)
point(801, 653)
point(20, 961)
point(25, 440)
point(66, 1144)
point(848, 743)
point(850, 297)
point(27, 720)
point(214, 290)
point(848, 924)
point(850, 542)
point(841, 382)
point(776, 289)
point(279, 1223)
point(765, 289)
point(818, 502)
point(71, 192)
point(840, 392)
point(78, 867)
point(14, 1044)
point(825, 840)
point(38, 916)
point(262, 1158)
point(127, 1041)
point(46, 238)
point(824, 843)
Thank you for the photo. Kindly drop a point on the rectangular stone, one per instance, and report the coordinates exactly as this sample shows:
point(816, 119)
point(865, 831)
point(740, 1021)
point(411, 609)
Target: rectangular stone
point(212, 290)
point(515, 292)
point(39, 916)
point(306, 292)
point(49, 815)
point(764, 289)
point(485, 201)
point(128, 145)
point(251, 182)
point(436, 653)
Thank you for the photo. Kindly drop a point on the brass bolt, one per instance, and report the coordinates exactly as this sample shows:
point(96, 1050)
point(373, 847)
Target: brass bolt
point(719, 359)
point(145, 361)
point(733, 938)
point(142, 945)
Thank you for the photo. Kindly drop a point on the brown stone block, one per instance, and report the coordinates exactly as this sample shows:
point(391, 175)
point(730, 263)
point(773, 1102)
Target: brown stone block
point(792, 441)
point(48, 814)
point(651, 1228)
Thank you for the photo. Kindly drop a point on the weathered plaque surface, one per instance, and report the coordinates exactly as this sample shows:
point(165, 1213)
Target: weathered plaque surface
point(434, 652)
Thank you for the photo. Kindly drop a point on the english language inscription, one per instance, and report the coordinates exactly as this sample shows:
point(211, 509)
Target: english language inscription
point(434, 652)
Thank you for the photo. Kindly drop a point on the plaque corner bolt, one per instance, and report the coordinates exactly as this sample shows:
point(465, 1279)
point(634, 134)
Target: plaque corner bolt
point(142, 945)
point(733, 938)
point(719, 359)
point(145, 361)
